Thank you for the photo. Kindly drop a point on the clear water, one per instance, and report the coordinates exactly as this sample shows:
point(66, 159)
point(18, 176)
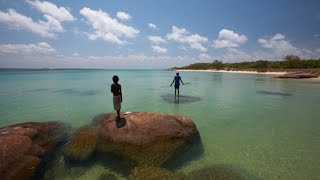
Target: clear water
point(265, 127)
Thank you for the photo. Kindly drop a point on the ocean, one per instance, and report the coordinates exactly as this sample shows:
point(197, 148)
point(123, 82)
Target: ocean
point(263, 127)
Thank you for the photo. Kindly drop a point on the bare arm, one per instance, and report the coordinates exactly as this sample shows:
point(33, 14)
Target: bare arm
point(173, 81)
point(120, 94)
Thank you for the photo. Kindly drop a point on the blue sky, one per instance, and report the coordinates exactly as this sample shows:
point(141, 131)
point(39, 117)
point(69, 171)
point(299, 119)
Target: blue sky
point(154, 34)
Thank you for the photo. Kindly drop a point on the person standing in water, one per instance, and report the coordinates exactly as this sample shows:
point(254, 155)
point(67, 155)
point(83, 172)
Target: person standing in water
point(117, 95)
point(176, 81)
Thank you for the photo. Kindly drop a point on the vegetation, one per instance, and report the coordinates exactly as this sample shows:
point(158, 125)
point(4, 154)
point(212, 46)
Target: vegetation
point(289, 62)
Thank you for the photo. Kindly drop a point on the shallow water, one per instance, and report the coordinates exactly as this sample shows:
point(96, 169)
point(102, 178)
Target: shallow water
point(264, 128)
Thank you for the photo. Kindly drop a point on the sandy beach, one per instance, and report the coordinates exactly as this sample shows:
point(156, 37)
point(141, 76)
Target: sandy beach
point(240, 72)
point(243, 72)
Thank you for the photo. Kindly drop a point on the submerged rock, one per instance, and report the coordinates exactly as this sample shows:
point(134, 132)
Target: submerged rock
point(82, 144)
point(216, 172)
point(146, 138)
point(22, 147)
point(149, 172)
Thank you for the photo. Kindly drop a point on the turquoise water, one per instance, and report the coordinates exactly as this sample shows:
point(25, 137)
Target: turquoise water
point(265, 127)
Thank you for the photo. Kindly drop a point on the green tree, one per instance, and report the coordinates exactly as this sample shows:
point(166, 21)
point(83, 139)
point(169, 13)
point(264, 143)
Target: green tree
point(291, 58)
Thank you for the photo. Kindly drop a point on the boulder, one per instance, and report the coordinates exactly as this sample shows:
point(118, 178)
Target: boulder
point(146, 138)
point(22, 146)
point(82, 144)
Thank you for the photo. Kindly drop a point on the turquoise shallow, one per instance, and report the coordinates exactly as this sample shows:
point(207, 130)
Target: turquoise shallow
point(263, 127)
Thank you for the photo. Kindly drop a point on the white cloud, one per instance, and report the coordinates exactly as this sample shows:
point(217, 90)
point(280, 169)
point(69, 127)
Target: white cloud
point(233, 55)
point(159, 49)
point(42, 48)
point(204, 57)
point(62, 14)
point(19, 21)
point(195, 41)
point(123, 16)
point(107, 28)
point(280, 47)
point(153, 26)
point(229, 39)
point(156, 39)
point(183, 48)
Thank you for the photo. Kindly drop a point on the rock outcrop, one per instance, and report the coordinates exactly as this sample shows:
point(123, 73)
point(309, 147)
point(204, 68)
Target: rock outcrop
point(22, 147)
point(146, 138)
point(301, 74)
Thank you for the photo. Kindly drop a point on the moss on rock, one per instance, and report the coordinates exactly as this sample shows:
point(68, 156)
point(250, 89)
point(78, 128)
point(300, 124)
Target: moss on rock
point(82, 144)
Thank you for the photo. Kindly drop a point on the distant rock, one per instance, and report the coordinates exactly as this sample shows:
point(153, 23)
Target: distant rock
point(22, 147)
point(82, 144)
point(301, 74)
point(146, 138)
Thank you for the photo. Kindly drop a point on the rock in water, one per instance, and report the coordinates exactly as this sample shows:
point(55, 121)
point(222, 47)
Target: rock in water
point(22, 146)
point(82, 144)
point(301, 74)
point(215, 172)
point(149, 172)
point(146, 138)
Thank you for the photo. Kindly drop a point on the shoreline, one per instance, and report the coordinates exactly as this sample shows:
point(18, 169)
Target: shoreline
point(240, 72)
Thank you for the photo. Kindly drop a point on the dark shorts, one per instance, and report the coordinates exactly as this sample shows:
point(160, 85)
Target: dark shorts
point(176, 86)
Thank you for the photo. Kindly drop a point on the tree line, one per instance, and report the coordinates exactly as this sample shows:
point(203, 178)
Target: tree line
point(289, 62)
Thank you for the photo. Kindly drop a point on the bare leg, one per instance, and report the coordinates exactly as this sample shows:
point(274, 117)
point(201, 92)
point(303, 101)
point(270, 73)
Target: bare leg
point(118, 113)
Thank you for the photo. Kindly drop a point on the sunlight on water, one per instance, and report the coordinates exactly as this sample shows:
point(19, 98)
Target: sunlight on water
point(257, 125)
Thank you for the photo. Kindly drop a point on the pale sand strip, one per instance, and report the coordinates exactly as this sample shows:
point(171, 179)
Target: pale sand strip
point(243, 72)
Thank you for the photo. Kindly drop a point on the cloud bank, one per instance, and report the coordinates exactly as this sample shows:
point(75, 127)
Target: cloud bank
point(39, 48)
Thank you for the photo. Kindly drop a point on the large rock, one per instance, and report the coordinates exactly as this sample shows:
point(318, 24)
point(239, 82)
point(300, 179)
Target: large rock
point(82, 144)
point(146, 138)
point(23, 145)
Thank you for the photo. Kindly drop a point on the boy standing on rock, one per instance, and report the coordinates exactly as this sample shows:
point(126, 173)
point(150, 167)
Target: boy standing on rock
point(117, 95)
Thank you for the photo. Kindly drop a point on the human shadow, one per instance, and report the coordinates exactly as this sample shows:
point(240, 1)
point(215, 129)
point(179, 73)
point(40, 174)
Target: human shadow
point(171, 98)
point(274, 93)
point(121, 122)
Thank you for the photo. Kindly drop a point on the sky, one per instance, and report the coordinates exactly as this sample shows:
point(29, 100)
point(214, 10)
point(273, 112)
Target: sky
point(144, 34)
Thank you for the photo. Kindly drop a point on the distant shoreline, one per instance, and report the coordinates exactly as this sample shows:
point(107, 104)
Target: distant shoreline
point(241, 72)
